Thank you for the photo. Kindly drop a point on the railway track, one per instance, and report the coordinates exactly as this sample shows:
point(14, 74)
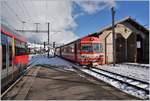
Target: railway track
point(138, 84)
point(129, 85)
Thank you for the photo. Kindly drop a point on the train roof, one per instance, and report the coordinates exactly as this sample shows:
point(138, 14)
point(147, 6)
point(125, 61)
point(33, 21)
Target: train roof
point(74, 41)
point(11, 32)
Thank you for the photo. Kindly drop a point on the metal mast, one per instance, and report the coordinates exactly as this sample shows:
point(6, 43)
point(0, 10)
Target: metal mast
point(113, 33)
point(48, 41)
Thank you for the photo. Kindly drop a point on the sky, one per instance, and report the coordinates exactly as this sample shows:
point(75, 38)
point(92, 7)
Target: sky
point(138, 10)
point(69, 19)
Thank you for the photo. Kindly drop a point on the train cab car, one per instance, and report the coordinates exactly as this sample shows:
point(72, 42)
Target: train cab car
point(13, 55)
point(91, 51)
point(85, 51)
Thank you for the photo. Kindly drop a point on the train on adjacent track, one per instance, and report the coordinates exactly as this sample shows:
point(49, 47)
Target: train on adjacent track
point(85, 51)
point(13, 55)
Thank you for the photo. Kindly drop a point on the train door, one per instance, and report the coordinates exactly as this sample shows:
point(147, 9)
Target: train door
point(6, 54)
point(9, 56)
point(5, 77)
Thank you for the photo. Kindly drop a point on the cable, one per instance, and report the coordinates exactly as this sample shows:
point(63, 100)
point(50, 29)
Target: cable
point(33, 7)
point(21, 8)
point(46, 10)
point(26, 10)
point(13, 11)
point(14, 16)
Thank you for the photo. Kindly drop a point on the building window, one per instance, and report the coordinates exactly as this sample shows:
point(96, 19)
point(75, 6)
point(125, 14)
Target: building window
point(138, 44)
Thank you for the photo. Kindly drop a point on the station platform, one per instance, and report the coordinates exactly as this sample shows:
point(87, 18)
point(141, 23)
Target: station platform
point(52, 83)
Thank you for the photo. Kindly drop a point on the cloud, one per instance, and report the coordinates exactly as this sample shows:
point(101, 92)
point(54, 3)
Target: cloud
point(78, 14)
point(58, 13)
point(91, 7)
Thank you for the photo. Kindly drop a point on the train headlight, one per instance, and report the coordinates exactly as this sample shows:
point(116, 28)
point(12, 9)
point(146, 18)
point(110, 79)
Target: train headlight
point(84, 56)
point(100, 56)
point(97, 57)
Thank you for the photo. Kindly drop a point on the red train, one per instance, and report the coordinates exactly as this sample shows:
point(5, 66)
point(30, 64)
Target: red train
point(85, 51)
point(13, 55)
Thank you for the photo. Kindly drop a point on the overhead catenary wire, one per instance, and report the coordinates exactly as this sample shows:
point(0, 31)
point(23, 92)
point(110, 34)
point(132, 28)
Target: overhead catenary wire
point(26, 10)
point(20, 7)
point(12, 11)
point(8, 23)
point(33, 5)
point(46, 10)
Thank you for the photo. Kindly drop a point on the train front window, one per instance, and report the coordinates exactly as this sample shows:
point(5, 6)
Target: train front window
point(97, 47)
point(86, 48)
point(94, 47)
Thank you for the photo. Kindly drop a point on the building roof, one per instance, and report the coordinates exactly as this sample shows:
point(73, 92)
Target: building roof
point(126, 19)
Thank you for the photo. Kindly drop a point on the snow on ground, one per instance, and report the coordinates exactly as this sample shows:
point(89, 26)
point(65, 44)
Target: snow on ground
point(122, 87)
point(147, 65)
point(132, 71)
point(139, 73)
point(52, 61)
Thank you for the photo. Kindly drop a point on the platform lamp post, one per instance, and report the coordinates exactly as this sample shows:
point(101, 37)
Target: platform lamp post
point(113, 33)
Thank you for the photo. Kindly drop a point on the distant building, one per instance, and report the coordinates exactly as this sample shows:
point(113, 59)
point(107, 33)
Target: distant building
point(132, 42)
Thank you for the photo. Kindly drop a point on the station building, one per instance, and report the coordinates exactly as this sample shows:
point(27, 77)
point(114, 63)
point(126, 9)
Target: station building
point(132, 42)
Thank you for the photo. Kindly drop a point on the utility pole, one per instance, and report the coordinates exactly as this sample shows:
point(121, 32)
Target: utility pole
point(114, 38)
point(48, 41)
point(54, 47)
point(23, 22)
point(36, 26)
point(44, 45)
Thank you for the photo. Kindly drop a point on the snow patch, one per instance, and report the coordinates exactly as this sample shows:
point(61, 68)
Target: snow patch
point(139, 73)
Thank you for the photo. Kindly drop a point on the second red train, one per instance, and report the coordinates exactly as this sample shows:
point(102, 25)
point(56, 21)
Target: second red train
point(85, 51)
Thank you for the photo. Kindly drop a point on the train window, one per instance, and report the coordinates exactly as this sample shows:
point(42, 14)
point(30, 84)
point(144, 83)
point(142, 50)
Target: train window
point(17, 43)
point(4, 42)
point(10, 55)
point(9, 41)
point(72, 49)
point(86, 48)
point(101, 47)
point(97, 47)
point(3, 38)
point(23, 45)
point(21, 51)
point(4, 56)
